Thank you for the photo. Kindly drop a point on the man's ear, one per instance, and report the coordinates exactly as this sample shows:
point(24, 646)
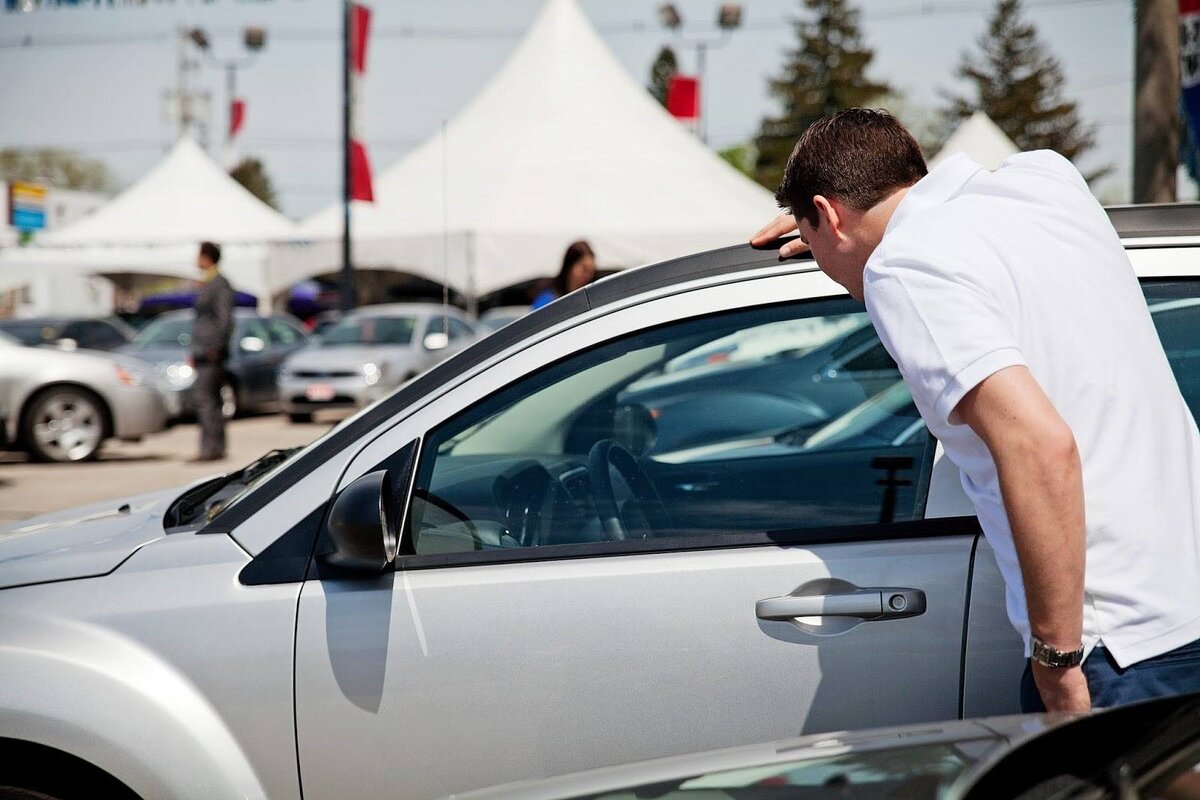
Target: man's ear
point(828, 214)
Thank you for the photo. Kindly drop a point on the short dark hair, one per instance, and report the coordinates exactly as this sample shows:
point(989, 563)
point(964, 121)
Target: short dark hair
point(858, 156)
point(211, 252)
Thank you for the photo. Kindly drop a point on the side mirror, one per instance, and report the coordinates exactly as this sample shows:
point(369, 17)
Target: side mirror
point(437, 341)
point(252, 344)
point(363, 525)
point(67, 344)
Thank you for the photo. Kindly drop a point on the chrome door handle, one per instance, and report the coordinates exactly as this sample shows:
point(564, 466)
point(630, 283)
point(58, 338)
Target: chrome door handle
point(866, 604)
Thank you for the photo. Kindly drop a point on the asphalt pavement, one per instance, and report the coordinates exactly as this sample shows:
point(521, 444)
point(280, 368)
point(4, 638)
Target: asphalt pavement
point(157, 462)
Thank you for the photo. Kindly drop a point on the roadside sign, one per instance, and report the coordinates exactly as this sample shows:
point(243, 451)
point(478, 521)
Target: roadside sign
point(26, 205)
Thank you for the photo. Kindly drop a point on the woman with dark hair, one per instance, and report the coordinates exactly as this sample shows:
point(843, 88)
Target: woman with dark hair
point(578, 269)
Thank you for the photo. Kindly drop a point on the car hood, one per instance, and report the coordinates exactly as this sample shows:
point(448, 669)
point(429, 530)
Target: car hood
point(81, 542)
point(155, 355)
point(350, 356)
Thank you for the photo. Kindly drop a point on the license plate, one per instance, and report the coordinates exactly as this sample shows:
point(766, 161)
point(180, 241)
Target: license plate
point(319, 392)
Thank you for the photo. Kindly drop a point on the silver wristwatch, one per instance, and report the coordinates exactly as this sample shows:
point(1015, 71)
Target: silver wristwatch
point(1052, 657)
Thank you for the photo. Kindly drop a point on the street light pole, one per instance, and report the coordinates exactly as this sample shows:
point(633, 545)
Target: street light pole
point(729, 17)
point(349, 290)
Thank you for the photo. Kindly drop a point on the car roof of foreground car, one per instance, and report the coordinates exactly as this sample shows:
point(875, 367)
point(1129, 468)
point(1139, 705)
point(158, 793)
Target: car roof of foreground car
point(1131, 222)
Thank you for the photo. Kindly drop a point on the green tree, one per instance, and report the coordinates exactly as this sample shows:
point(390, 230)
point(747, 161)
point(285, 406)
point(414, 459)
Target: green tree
point(664, 66)
point(740, 157)
point(1019, 84)
point(61, 168)
point(251, 174)
point(825, 73)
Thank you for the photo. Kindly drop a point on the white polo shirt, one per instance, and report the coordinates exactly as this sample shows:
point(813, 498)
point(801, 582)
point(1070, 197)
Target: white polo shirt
point(981, 270)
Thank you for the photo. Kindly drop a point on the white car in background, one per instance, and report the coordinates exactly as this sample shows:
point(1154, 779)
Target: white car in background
point(62, 405)
point(368, 353)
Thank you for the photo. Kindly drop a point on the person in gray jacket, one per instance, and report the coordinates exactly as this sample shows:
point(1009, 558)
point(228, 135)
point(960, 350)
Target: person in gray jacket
point(210, 349)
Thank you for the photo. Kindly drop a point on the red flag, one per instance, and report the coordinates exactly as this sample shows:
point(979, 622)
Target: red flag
point(237, 117)
point(683, 97)
point(360, 170)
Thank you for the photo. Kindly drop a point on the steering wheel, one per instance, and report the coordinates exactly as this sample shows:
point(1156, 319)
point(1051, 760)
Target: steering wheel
point(605, 454)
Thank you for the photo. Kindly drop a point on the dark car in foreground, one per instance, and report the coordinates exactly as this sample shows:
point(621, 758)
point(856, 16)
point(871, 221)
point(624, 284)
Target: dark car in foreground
point(1147, 750)
point(256, 350)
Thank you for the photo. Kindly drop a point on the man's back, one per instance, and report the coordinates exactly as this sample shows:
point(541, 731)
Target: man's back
point(979, 271)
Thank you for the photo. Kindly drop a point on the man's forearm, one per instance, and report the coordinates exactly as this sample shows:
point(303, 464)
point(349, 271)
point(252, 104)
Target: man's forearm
point(1042, 486)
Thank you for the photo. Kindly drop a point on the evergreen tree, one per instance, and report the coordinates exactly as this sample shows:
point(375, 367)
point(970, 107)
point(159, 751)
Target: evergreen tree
point(827, 72)
point(1020, 86)
point(251, 174)
point(664, 66)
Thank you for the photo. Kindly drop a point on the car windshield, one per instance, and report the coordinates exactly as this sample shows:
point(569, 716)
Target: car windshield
point(369, 330)
point(30, 332)
point(922, 772)
point(165, 333)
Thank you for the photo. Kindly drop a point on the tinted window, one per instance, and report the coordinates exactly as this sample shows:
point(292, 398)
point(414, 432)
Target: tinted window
point(369, 330)
point(460, 329)
point(106, 336)
point(712, 426)
point(30, 332)
point(1175, 309)
point(282, 333)
point(166, 333)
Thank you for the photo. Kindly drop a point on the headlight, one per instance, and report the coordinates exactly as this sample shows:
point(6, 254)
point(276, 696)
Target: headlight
point(372, 372)
point(176, 376)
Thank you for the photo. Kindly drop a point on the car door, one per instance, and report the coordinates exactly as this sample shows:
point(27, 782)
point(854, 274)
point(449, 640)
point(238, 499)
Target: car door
point(254, 363)
point(525, 634)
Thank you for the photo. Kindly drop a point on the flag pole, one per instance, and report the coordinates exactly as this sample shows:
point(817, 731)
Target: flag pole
point(348, 292)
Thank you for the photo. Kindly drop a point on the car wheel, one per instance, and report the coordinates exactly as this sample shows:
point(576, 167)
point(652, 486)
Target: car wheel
point(229, 400)
point(64, 423)
point(300, 417)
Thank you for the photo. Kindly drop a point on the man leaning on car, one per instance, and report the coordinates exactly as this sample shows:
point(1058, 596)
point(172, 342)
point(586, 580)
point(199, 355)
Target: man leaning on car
point(1017, 322)
point(210, 348)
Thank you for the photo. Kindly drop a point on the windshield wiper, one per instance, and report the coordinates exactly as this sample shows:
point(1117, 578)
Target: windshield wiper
point(184, 510)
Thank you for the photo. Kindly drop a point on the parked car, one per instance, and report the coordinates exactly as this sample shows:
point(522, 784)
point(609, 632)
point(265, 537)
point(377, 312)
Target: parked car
point(84, 333)
point(62, 405)
point(368, 353)
point(1146, 750)
point(452, 589)
point(258, 346)
point(496, 318)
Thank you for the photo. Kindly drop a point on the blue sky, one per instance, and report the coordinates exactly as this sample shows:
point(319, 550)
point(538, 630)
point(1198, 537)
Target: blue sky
point(105, 99)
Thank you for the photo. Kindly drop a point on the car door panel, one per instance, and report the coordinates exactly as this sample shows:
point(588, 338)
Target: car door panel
point(541, 668)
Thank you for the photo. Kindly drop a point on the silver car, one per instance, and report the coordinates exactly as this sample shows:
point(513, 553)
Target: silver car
point(368, 353)
point(511, 568)
point(62, 405)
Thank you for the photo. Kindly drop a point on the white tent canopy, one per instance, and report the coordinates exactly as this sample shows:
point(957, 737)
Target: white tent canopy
point(154, 227)
point(562, 144)
point(979, 138)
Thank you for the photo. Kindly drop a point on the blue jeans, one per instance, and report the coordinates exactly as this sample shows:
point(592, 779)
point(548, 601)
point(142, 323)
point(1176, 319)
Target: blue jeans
point(1176, 672)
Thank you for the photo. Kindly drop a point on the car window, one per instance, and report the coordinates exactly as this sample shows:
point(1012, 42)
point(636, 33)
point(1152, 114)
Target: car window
point(436, 325)
point(369, 330)
point(714, 426)
point(166, 333)
point(460, 329)
point(282, 333)
point(105, 335)
point(1175, 309)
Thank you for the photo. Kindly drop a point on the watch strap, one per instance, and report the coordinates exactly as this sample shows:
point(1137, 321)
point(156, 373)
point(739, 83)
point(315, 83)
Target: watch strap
point(1054, 658)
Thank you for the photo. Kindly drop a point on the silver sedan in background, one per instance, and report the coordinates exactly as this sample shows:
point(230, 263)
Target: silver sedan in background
point(62, 405)
point(367, 354)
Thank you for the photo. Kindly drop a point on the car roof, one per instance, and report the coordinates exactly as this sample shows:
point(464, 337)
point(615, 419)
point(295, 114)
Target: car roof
point(240, 312)
point(1135, 221)
point(403, 309)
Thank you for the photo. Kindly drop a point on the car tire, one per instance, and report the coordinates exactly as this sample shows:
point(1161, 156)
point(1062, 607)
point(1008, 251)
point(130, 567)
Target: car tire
point(231, 404)
point(17, 793)
point(64, 423)
point(300, 417)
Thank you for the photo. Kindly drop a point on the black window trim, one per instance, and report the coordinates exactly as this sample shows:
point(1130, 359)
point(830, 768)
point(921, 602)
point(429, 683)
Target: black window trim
point(934, 528)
